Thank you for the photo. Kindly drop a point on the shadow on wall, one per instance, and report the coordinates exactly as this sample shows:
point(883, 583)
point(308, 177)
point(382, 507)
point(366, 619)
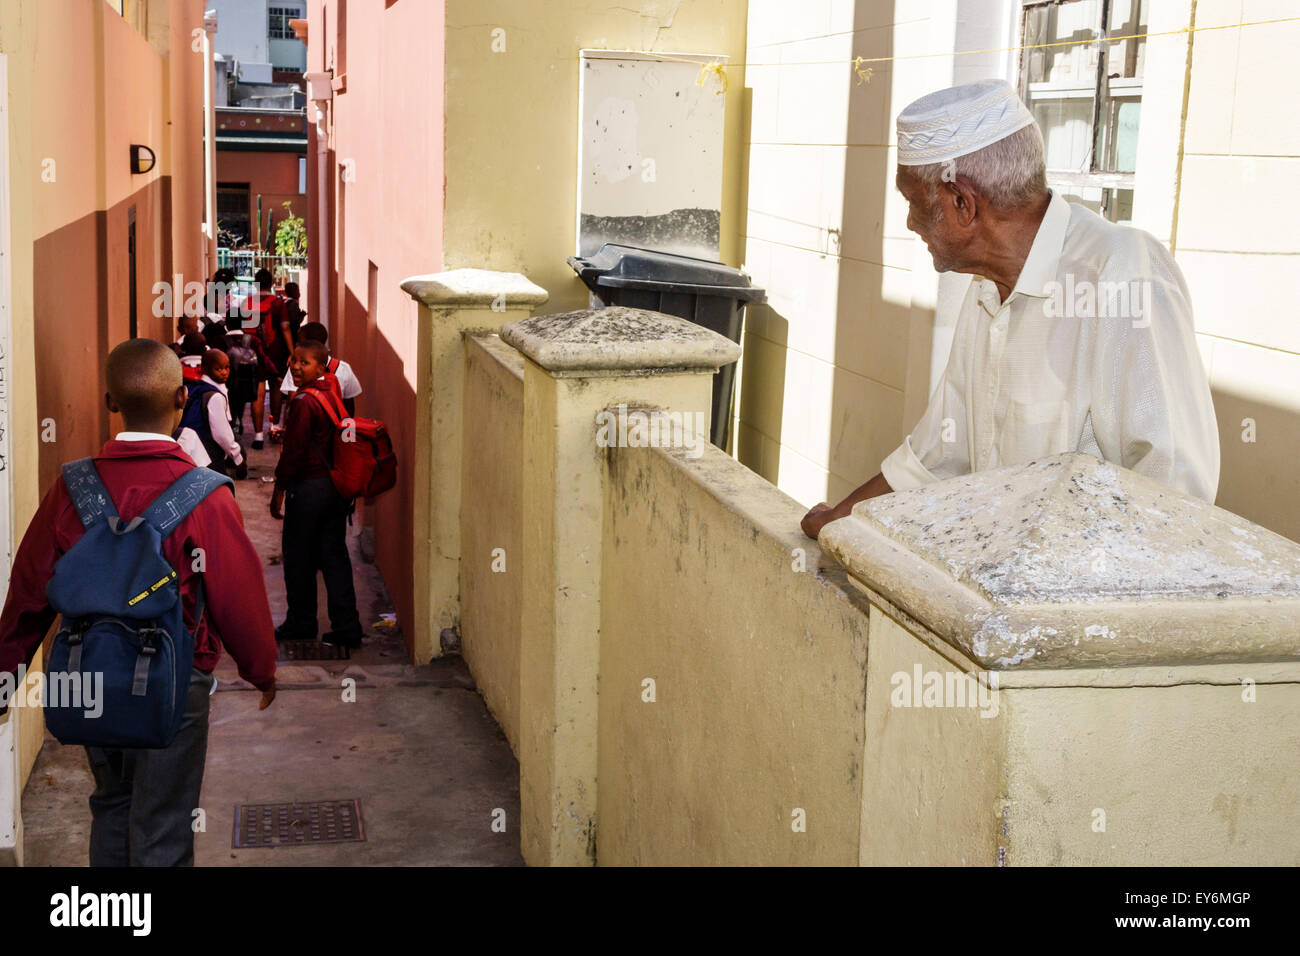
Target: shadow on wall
point(871, 332)
point(762, 389)
point(82, 299)
point(386, 395)
point(1258, 478)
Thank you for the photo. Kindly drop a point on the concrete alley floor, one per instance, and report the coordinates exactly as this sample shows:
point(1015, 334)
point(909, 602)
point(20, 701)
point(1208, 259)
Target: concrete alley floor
point(418, 746)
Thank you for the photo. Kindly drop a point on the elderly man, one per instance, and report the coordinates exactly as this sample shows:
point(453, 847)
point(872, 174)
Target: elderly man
point(1075, 334)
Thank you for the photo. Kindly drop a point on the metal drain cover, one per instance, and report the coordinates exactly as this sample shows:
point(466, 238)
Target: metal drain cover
point(298, 824)
point(312, 651)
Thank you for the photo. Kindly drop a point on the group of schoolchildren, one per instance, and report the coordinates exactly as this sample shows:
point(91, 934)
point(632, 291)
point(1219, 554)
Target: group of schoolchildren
point(176, 408)
point(292, 360)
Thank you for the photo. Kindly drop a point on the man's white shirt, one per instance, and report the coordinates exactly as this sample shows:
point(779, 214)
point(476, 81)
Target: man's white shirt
point(1055, 369)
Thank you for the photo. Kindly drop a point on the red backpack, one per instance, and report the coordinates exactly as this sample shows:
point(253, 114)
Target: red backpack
point(364, 462)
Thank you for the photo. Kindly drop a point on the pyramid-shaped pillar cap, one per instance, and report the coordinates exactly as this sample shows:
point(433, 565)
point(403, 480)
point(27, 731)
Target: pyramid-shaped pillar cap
point(1071, 561)
point(618, 339)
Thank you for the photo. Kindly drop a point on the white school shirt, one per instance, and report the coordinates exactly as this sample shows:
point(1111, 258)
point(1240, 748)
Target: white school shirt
point(219, 422)
point(1049, 371)
point(190, 443)
point(349, 384)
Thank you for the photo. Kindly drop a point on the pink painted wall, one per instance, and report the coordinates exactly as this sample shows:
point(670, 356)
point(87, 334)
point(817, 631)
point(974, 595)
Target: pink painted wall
point(385, 222)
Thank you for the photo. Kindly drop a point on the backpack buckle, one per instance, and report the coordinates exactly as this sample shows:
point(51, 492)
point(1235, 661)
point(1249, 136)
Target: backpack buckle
point(148, 642)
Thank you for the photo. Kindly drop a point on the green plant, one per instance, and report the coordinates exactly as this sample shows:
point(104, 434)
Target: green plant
point(291, 234)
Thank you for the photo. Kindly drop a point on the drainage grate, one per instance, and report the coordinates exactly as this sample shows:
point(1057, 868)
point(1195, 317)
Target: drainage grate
point(296, 824)
point(312, 651)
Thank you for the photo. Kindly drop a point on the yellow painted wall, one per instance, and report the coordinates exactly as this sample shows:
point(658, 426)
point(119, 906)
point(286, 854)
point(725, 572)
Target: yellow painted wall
point(511, 117)
point(759, 673)
point(491, 490)
point(1129, 767)
point(934, 783)
point(1192, 774)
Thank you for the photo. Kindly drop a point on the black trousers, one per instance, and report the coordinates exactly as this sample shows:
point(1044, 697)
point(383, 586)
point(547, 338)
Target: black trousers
point(144, 801)
point(314, 539)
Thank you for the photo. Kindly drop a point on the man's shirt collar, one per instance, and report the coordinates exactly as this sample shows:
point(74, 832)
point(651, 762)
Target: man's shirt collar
point(1044, 259)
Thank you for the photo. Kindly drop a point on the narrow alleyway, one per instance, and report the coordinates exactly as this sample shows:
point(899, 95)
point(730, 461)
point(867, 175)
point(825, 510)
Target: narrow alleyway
point(417, 747)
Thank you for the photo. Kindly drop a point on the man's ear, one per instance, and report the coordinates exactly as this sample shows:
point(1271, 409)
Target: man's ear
point(961, 200)
point(181, 396)
point(110, 404)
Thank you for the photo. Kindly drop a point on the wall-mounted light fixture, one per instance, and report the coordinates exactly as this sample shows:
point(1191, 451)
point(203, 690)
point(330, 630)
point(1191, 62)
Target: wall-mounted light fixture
point(140, 162)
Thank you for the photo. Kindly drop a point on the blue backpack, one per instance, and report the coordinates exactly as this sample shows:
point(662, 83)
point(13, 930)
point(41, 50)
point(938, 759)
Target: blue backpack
point(122, 640)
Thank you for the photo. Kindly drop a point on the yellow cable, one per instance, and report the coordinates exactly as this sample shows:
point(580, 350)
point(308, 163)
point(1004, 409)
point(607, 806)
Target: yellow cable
point(864, 73)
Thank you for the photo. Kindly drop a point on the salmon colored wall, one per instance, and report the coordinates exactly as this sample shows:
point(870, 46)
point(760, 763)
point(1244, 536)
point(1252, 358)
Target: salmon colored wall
point(186, 78)
point(84, 85)
point(388, 122)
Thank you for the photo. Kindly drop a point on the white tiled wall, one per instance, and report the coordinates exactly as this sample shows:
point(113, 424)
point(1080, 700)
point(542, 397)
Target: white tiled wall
point(1239, 246)
point(826, 365)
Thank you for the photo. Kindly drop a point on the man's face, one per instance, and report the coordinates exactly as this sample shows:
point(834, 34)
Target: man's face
point(925, 218)
point(221, 371)
point(187, 324)
point(304, 368)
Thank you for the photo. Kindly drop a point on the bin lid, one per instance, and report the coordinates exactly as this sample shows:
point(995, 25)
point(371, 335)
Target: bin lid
point(620, 266)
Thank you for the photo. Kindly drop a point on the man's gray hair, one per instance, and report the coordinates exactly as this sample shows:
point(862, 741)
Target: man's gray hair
point(1010, 172)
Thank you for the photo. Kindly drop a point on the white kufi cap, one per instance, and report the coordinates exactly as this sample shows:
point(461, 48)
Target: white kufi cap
point(959, 120)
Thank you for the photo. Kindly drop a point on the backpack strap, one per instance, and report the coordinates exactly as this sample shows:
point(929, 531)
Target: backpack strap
point(330, 410)
point(183, 495)
point(89, 496)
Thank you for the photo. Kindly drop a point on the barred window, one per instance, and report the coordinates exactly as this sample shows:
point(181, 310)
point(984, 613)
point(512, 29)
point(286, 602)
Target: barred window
point(1086, 95)
point(278, 28)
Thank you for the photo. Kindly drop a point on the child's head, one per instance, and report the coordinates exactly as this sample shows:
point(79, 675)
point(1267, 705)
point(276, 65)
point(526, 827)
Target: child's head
point(187, 324)
point(291, 290)
point(216, 366)
point(194, 344)
point(314, 332)
point(145, 386)
point(308, 362)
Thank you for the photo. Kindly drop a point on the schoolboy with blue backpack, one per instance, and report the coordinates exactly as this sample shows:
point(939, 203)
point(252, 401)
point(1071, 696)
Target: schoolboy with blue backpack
point(126, 547)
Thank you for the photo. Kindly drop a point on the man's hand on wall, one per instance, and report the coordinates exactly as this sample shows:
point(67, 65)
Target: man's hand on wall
point(817, 517)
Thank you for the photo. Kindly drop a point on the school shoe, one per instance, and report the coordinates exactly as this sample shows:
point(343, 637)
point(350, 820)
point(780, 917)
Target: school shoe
point(257, 444)
point(348, 639)
point(285, 633)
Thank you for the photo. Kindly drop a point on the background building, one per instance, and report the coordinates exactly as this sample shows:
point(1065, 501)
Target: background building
point(261, 138)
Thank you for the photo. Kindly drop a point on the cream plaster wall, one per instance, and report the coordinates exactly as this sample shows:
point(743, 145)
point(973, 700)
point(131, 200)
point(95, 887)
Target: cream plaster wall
point(1126, 767)
point(759, 673)
point(491, 492)
point(512, 123)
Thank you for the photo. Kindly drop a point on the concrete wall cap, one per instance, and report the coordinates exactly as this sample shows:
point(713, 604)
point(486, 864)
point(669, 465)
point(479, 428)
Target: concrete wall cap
point(1072, 561)
point(474, 287)
point(618, 338)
